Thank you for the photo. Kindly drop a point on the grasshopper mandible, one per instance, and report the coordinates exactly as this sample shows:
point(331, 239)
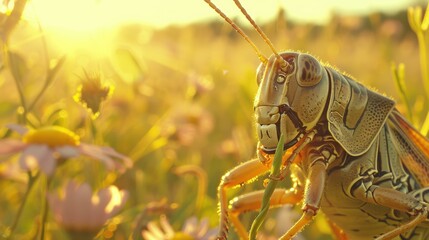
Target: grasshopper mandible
point(350, 153)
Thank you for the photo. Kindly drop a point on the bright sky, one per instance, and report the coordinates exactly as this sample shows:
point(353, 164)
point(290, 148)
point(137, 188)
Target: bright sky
point(90, 14)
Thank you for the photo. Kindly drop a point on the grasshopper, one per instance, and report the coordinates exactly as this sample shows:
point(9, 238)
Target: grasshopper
point(348, 151)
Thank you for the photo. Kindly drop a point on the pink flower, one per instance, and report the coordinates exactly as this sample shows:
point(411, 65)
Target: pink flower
point(198, 85)
point(42, 148)
point(78, 209)
point(188, 124)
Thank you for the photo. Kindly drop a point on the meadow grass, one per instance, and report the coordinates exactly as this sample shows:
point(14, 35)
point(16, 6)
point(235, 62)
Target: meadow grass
point(178, 102)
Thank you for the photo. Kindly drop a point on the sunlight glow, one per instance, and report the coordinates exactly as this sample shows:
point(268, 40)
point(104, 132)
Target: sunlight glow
point(87, 15)
point(77, 15)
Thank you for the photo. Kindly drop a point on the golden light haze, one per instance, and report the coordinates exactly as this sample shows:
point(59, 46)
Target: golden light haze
point(83, 15)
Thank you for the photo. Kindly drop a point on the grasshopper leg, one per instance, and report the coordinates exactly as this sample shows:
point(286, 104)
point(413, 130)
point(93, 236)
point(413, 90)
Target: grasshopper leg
point(252, 202)
point(235, 177)
point(337, 231)
point(312, 196)
point(397, 200)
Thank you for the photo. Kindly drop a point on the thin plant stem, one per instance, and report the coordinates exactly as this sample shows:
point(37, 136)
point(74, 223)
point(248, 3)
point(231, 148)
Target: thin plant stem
point(425, 76)
point(7, 27)
point(419, 24)
point(10, 64)
point(269, 190)
point(51, 73)
point(425, 127)
point(31, 180)
point(398, 75)
point(423, 61)
point(45, 208)
point(202, 182)
point(150, 141)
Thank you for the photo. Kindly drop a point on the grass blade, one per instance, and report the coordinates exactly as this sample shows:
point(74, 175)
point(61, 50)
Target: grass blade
point(271, 186)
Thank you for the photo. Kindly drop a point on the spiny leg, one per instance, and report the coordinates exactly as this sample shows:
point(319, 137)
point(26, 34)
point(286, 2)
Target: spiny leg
point(252, 202)
point(314, 188)
point(237, 176)
point(251, 169)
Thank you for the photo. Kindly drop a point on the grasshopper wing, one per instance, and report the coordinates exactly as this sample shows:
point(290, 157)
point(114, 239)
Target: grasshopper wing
point(412, 147)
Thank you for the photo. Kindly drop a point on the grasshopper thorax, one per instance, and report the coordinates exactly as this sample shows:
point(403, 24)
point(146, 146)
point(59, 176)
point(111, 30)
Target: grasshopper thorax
point(289, 100)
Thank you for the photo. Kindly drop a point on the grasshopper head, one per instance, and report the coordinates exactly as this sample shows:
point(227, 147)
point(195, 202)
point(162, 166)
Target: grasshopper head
point(289, 99)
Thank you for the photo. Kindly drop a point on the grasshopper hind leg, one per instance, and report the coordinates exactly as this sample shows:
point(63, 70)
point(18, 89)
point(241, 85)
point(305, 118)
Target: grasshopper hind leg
point(410, 203)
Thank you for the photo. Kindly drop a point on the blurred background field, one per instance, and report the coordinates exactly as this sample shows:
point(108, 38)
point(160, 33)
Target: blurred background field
point(177, 100)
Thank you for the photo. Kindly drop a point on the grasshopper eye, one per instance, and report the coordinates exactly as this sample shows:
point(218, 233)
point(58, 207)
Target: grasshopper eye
point(281, 78)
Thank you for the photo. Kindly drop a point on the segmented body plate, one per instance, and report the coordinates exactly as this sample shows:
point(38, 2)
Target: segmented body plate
point(355, 114)
point(375, 146)
point(381, 165)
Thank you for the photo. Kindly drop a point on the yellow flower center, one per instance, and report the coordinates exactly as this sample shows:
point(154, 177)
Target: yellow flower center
point(53, 136)
point(181, 236)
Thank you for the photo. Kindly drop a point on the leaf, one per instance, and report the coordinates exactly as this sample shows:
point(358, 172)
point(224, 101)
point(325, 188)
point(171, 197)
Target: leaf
point(18, 66)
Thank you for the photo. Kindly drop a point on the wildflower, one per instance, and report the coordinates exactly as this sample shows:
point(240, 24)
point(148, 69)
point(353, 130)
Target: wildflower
point(391, 28)
point(198, 85)
point(78, 209)
point(43, 148)
point(237, 145)
point(91, 93)
point(188, 123)
point(192, 230)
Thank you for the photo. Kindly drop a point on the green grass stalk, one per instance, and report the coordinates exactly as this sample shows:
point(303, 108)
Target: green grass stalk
point(201, 176)
point(399, 76)
point(31, 180)
point(271, 186)
point(45, 208)
point(420, 25)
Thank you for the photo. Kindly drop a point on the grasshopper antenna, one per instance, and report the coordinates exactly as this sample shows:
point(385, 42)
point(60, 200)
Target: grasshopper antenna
point(283, 63)
point(263, 59)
